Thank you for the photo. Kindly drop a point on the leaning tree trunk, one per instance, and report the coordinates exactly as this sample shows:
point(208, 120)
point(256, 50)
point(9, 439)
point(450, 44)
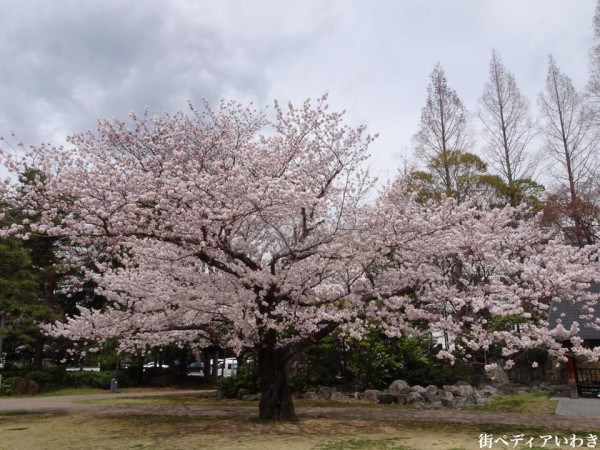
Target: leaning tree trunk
point(276, 399)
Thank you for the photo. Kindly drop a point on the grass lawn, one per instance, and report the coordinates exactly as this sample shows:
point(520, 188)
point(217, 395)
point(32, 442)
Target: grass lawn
point(529, 403)
point(135, 431)
point(88, 431)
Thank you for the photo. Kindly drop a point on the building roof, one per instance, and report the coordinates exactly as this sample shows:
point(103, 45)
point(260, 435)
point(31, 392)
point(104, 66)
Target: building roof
point(566, 313)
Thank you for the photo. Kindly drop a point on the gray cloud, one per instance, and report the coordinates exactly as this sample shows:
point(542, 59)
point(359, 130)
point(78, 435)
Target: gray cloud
point(66, 63)
point(72, 62)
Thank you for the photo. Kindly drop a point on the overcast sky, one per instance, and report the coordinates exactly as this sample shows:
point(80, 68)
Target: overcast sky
point(67, 63)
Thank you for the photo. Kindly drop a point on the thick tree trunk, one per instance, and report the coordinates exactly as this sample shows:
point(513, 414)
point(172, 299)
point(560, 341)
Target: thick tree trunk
point(276, 399)
point(38, 352)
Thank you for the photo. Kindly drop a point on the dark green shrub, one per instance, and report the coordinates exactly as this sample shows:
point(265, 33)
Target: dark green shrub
point(26, 386)
point(19, 386)
point(41, 377)
point(160, 381)
point(100, 380)
point(9, 384)
point(246, 378)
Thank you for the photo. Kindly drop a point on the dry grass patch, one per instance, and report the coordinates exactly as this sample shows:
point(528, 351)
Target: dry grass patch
point(89, 431)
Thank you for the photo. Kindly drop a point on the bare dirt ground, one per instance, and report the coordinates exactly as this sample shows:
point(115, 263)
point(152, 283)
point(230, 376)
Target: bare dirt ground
point(82, 403)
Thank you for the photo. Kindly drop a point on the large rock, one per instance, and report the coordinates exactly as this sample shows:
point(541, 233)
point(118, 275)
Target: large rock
point(498, 375)
point(478, 399)
point(371, 395)
point(324, 392)
point(414, 397)
point(418, 389)
point(459, 402)
point(338, 397)
point(447, 399)
point(432, 390)
point(464, 390)
point(243, 392)
point(488, 391)
point(450, 388)
point(399, 387)
point(432, 398)
point(310, 396)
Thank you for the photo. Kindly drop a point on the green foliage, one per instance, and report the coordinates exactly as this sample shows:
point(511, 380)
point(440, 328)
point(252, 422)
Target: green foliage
point(160, 381)
point(99, 380)
point(467, 176)
point(19, 386)
point(371, 363)
point(41, 377)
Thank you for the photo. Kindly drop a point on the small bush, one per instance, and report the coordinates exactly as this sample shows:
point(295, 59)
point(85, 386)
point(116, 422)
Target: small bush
point(19, 386)
point(42, 378)
point(100, 380)
point(160, 381)
point(9, 383)
point(26, 386)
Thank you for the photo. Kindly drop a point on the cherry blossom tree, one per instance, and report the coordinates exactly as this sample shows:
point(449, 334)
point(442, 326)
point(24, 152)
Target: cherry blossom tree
point(226, 226)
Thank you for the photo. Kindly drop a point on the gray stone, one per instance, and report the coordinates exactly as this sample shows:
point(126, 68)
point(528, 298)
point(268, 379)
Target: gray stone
point(475, 399)
point(398, 386)
point(418, 405)
point(464, 390)
point(481, 400)
point(414, 397)
point(242, 392)
point(419, 389)
point(310, 396)
point(371, 395)
point(488, 391)
point(461, 383)
point(339, 397)
point(324, 392)
point(432, 390)
point(432, 398)
point(450, 388)
point(250, 397)
point(458, 402)
point(498, 375)
point(447, 399)
point(437, 405)
point(402, 399)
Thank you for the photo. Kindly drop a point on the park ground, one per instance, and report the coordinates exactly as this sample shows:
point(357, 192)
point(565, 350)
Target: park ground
point(191, 420)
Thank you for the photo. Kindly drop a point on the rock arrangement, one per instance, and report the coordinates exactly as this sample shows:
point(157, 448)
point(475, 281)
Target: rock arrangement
point(458, 395)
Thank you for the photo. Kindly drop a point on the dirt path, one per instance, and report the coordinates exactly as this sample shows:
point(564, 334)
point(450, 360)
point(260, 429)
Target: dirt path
point(78, 403)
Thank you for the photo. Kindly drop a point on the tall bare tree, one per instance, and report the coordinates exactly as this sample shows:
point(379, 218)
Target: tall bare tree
point(507, 127)
point(570, 141)
point(444, 126)
point(593, 86)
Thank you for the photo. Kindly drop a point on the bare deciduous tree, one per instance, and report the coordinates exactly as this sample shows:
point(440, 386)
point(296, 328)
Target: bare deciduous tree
point(567, 124)
point(507, 126)
point(593, 86)
point(444, 125)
